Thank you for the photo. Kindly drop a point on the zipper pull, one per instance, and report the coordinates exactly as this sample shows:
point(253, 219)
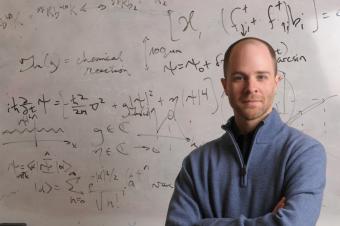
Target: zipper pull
point(244, 176)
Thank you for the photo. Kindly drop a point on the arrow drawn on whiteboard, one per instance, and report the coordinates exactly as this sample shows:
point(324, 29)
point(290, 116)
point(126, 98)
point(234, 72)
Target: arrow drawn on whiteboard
point(36, 141)
point(309, 108)
point(7, 195)
point(145, 54)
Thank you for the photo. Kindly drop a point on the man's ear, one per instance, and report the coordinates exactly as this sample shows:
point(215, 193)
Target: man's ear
point(224, 84)
point(278, 78)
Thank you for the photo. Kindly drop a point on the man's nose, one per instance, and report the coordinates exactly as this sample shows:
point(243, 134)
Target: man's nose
point(251, 86)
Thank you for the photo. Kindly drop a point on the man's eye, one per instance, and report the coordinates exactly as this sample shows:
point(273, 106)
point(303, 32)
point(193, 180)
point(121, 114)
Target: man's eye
point(261, 77)
point(238, 78)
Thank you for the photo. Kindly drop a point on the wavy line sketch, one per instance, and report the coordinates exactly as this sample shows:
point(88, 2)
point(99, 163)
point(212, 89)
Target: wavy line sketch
point(33, 131)
point(59, 130)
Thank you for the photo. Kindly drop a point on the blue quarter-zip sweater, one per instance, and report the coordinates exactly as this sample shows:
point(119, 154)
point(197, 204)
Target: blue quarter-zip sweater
point(216, 188)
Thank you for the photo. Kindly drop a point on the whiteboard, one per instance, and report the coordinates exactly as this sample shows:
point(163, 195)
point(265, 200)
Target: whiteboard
point(101, 100)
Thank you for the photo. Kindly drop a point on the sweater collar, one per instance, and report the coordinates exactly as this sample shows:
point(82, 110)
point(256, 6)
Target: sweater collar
point(267, 130)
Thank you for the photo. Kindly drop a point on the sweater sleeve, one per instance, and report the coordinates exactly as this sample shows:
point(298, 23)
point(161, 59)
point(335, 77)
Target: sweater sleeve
point(183, 208)
point(304, 185)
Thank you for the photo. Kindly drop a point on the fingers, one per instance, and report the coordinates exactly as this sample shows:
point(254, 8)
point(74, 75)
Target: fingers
point(279, 205)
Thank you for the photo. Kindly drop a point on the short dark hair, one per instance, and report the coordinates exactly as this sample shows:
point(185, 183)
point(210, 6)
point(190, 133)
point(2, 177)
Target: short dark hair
point(231, 47)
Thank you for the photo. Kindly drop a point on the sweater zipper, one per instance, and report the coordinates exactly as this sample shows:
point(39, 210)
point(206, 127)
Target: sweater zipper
point(243, 170)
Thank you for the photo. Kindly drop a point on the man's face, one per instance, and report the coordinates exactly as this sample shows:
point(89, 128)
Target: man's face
point(251, 81)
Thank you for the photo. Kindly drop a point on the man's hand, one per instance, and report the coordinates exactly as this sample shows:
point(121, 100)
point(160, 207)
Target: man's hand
point(279, 205)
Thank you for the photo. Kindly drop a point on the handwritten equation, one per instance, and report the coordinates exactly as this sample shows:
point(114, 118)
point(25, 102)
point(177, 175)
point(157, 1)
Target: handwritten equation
point(241, 19)
point(89, 65)
point(108, 187)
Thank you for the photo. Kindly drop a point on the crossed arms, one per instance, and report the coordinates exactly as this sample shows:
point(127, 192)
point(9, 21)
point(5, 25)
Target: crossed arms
point(303, 189)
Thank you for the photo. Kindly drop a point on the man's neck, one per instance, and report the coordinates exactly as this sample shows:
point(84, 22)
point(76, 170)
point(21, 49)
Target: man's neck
point(247, 126)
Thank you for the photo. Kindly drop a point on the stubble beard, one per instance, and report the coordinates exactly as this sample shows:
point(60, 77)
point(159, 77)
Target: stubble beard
point(253, 113)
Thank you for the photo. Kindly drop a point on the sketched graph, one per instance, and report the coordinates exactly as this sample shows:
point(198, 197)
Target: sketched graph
point(35, 131)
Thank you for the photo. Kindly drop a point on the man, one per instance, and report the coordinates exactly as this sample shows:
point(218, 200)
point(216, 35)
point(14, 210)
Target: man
point(261, 171)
